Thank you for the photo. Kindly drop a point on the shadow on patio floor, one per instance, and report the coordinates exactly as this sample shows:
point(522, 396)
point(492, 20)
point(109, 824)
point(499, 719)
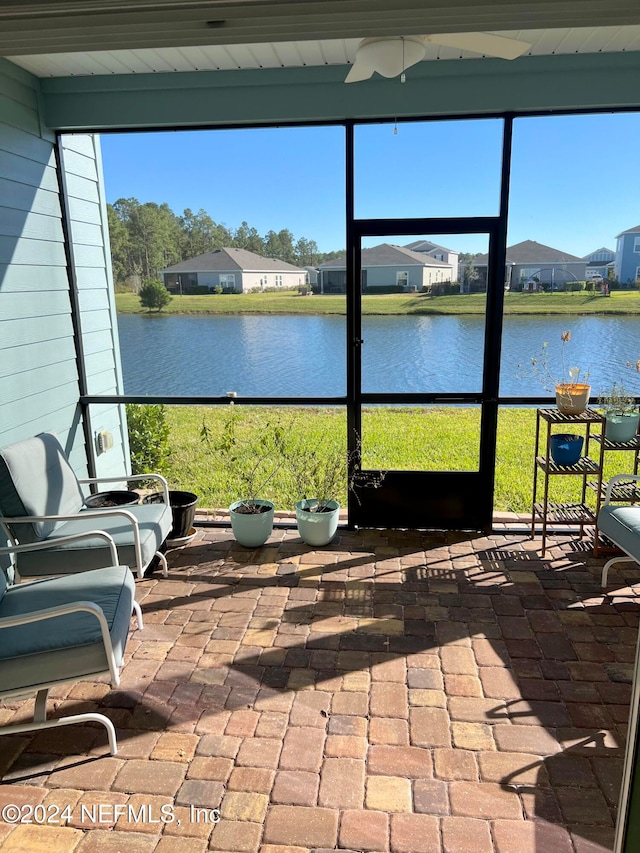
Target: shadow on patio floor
point(394, 691)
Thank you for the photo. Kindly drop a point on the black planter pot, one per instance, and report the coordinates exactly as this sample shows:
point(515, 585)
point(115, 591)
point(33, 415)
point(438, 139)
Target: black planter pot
point(108, 500)
point(183, 510)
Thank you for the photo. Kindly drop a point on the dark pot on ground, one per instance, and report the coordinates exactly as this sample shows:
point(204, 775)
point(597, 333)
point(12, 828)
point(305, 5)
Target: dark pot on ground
point(108, 500)
point(183, 510)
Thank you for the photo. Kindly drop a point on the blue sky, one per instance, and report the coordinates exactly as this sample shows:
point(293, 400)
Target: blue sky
point(572, 181)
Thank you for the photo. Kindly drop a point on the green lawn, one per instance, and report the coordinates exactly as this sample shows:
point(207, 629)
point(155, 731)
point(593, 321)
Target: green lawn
point(405, 438)
point(620, 302)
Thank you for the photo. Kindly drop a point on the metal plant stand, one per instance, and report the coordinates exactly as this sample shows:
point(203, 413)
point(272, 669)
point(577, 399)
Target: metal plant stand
point(547, 512)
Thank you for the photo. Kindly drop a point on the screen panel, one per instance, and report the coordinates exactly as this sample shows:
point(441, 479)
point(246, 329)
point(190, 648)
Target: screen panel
point(224, 221)
point(428, 168)
point(423, 313)
point(421, 438)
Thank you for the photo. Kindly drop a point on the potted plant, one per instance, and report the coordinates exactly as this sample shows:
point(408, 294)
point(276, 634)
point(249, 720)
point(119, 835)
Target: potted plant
point(115, 497)
point(621, 413)
point(319, 474)
point(254, 462)
point(570, 384)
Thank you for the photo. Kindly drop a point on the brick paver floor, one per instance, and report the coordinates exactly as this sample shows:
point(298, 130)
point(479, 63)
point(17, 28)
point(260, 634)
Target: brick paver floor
point(403, 692)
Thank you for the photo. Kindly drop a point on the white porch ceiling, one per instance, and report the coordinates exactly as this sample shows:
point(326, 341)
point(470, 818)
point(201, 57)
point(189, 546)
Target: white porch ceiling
point(63, 38)
point(292, 54)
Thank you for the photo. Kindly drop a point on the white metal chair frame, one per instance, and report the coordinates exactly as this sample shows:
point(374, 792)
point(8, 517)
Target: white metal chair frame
point(97, 514)
point(607, 500)
point(40, 710)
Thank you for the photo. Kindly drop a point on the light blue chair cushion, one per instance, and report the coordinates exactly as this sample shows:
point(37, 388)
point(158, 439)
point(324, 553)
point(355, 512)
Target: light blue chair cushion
point(154, 521)
point(622, 525)
point(36, 479)
point(64, 648)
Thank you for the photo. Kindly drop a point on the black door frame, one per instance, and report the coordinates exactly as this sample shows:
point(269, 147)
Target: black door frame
point(454, 500)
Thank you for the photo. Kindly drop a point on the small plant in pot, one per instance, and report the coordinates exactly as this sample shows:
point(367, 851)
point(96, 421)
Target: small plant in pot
point(254, 461)
point(569, 384)
point(321, 473)
point(621, 413)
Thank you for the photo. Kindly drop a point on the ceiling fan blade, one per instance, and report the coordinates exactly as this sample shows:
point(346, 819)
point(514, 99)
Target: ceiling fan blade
point(387, 56)
point(360, 70)
point(485, 43)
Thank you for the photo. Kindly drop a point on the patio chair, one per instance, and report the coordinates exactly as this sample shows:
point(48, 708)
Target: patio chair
point(62, 629)
point(621, 524)
point(41, 500)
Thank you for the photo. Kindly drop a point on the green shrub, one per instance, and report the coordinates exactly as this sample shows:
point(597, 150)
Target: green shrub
point(447, 288)
point(153, 294)
point(574, 286)
point(148, 438)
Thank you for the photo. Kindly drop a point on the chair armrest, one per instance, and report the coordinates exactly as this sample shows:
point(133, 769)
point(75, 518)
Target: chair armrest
point(97, 514)
point(45, 545)
point(619, 478)
point(65, 610)
point(85, 513)
point(132, 478)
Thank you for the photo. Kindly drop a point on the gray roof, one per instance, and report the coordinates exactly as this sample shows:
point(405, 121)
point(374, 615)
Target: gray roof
point(229, 260)
point(427, 246)
point(387, 255)
point(530, 252)
point(629, 231)
point(598, 252)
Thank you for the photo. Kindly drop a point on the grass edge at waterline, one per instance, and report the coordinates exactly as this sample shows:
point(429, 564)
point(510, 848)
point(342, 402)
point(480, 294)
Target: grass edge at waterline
point(620, 302)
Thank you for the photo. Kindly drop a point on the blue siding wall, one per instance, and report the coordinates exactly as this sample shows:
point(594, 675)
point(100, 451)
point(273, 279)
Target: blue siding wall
point(89, 242)
point(39, 384)
point(629, 260)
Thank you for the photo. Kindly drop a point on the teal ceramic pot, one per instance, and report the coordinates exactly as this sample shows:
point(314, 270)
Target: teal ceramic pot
point(317, 528)
point(252, 529)
point(621, 427)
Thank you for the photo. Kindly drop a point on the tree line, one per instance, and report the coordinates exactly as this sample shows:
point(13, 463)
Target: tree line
point(148, 237)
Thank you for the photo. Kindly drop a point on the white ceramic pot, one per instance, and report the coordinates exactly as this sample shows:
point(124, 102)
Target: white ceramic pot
point(251, 529)
point(621, 427)
point(317, 528)
point(572, 398)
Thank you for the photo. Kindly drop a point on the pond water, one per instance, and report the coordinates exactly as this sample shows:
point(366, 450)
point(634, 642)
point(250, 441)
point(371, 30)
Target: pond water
point(266, 355)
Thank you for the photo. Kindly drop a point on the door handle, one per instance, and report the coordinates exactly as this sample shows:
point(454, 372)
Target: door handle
point(358, 342)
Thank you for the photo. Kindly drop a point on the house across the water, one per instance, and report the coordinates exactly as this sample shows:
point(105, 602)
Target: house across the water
point(627, 263)
point(532, 266)
point(232, 271)
point(387, 269)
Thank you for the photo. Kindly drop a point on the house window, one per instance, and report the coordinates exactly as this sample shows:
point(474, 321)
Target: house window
point(278, 281)
point(527, 273)
point(263, 282)
point(228, 281)
point(402, 279)
point(637, 273)
point(636, 244)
